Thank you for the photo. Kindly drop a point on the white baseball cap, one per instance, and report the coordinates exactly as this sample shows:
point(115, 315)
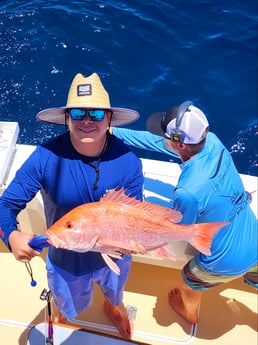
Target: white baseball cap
point(193, 123)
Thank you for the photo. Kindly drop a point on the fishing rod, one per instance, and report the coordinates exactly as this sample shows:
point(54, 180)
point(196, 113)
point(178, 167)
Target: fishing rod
point(46, 296)
point(38, 243)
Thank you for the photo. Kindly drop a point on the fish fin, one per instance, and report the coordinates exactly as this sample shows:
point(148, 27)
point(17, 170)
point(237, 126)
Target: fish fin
point(111, 244)
point(137, 247)
point(130, 247)
point(115, 255)
point(161, 211)
point(203, 235)
point(111, 264)
point(165, 252)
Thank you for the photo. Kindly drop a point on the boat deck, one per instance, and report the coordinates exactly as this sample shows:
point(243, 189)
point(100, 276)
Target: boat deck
point(228, 314)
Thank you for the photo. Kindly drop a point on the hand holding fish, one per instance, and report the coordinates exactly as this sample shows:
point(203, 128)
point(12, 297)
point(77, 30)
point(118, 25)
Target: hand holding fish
point(121, 224)
point(18, 242)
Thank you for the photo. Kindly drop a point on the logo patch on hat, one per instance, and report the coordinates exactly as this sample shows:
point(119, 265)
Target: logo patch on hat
point(84, 90)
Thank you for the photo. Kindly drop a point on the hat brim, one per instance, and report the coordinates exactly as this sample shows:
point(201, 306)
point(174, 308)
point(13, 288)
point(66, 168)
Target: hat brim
point(121, 116)
point(153, 124)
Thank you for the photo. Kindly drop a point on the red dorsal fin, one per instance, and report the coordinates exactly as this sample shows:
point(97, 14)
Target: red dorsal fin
point(164, 212)
point(117, 195)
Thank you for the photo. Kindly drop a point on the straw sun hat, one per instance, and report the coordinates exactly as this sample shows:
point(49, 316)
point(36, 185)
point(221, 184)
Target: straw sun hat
point(88, 92)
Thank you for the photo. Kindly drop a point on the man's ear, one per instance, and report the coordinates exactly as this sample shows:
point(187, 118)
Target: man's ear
point(109, 113)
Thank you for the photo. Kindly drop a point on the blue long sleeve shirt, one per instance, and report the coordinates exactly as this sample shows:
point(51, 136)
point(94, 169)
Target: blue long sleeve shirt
point(210, 189)
point(144, 140)
point(65, 179)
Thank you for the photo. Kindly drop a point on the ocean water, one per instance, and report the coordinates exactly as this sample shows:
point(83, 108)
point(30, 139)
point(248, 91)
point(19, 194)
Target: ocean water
point(149, 54)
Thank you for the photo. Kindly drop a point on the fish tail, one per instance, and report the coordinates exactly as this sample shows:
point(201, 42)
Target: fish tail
point(203, 235)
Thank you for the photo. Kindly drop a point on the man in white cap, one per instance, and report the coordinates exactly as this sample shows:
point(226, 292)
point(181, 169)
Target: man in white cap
point(71, 169)
point(209, 189)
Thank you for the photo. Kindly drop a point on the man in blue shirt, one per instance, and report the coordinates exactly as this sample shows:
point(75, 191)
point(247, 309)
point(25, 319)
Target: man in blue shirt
point(71, 169)
point(209, 189)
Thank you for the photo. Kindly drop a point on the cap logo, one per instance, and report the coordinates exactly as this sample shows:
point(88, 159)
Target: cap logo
point(84, 90)
point(175, 138)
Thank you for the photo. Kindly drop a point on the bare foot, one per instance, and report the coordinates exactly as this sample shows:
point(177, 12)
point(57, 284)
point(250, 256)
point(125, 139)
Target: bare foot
point(189, 311)
point(119, 319)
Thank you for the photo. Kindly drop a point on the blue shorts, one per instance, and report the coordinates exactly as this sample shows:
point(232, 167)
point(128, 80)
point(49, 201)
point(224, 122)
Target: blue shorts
point(199, 279)
point(72, 294)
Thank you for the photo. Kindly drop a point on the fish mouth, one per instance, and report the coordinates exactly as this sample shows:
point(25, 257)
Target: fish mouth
point(61, 241)
point(55, 240)
point(71, 242)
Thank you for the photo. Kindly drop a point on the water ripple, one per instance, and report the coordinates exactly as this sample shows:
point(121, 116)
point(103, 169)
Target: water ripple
point(149, 54)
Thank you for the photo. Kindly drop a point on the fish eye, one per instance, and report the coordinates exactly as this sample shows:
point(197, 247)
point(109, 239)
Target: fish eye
point(69, 225)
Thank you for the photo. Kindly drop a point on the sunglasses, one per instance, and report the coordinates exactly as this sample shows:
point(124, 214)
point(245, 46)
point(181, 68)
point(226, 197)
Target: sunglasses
point(93, 114)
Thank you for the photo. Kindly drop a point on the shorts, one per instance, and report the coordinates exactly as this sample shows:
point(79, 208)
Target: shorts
point(198, 279)
point(72, 294)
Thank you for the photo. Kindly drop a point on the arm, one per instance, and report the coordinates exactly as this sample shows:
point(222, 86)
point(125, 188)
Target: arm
point(20, 191)
point(134, 185)
point(142, 140)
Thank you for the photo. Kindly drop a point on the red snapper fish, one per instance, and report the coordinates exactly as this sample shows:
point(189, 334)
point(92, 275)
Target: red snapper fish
point(119, 224)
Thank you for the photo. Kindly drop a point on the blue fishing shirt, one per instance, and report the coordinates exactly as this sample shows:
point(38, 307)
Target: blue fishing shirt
point(65, 179)
point(210, 189)
point(146, 141)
